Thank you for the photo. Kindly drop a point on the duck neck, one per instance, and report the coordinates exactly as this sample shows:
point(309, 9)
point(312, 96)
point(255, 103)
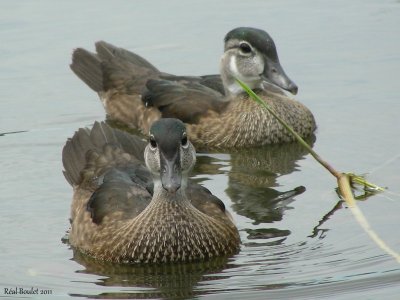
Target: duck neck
point(229, 72)
point(161, 195)
point(231, 86)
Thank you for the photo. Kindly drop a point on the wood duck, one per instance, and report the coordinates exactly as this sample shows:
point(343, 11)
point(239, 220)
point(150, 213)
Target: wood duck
point(216, 110)
point(133, 202)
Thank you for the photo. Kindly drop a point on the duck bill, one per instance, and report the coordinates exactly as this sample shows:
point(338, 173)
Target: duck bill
point(274, 74)
point(171, 174)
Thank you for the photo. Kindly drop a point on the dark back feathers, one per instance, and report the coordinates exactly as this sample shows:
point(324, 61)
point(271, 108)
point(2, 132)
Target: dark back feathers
point(185, 101)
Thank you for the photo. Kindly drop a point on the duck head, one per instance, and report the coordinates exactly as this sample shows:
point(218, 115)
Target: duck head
point(250, 55)
point(169, 155)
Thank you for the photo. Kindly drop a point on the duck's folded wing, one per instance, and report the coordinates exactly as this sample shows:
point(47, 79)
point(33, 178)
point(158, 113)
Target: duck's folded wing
point(136, 64)
point(206, 202)
point(213, 82)
point(123, 71)
point(184, 100)
point(124, 77)
point(118, 194)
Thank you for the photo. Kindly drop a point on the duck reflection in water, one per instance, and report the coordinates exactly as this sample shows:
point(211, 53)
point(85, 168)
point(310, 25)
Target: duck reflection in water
point(253, 180)
point(151, 281)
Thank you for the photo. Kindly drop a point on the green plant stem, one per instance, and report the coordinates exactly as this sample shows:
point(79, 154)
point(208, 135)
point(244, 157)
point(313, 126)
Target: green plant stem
point(325, 164)
point(290, 129)
point(344, 180)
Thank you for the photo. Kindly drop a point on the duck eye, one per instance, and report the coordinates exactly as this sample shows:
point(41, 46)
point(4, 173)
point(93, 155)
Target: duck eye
point(245, 48)
point(153, 143)
point(184, 141)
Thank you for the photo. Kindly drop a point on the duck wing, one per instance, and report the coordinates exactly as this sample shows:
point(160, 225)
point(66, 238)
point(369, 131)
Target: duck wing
point(120, 193)
point(213, 82)
point(106, 52)
point(124, 77)
point(99, 70)
point(108, 163)
point(184, 99)
point(206, 202)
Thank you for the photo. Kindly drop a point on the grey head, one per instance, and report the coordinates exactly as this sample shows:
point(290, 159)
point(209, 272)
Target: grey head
point(169, 155)
point(250, 55)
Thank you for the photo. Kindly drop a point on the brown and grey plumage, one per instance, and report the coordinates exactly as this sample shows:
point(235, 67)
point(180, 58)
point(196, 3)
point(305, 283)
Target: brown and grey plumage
point(216, 110)
point(133, 203)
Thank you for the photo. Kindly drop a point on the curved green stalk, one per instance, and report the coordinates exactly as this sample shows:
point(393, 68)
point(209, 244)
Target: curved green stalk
point(344, 179)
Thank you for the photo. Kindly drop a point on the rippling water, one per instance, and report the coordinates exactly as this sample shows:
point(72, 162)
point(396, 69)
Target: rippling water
point(299, 240)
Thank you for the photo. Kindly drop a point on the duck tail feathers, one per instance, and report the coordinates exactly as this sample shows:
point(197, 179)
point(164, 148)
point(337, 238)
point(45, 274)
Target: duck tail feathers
point(107, 52)
point(89, 152)
point(87, 66)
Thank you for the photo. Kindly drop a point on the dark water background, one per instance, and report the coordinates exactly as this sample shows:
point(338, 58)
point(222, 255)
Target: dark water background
point(345, 57)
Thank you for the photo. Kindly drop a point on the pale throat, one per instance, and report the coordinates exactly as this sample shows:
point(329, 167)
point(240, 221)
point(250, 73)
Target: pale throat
point(161, 195)
point(231, 84)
